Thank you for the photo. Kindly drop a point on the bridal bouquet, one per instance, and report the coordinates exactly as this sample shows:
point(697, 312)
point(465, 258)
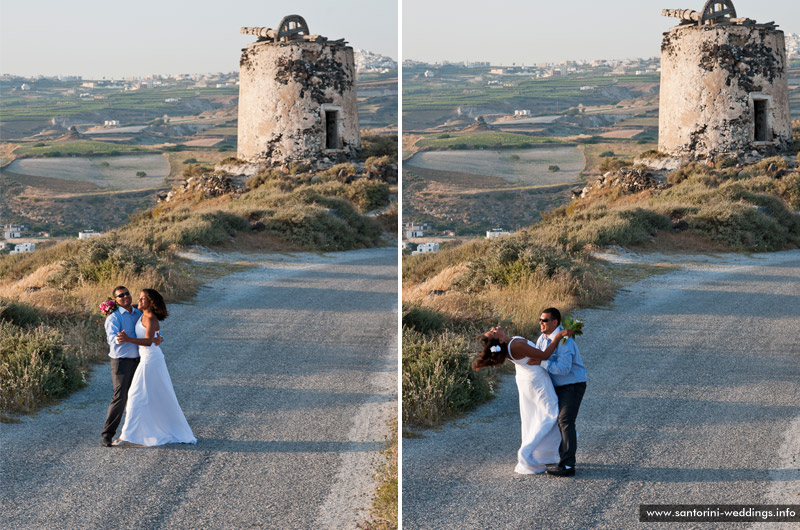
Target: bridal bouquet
point(575, 325)
point(108, 306)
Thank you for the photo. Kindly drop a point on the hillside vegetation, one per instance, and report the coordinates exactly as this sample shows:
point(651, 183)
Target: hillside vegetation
point(451, 296)
point(51, 329)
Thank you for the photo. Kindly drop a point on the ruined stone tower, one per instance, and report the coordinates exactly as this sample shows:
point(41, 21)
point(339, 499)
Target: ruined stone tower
point(297, 96)
point(723, 84)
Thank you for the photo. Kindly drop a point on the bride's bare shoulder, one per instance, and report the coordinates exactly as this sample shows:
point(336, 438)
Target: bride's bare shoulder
point(150, 321)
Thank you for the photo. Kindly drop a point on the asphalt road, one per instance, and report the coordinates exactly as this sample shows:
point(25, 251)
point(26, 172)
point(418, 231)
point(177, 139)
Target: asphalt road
point(693, 398)
point(287, 374)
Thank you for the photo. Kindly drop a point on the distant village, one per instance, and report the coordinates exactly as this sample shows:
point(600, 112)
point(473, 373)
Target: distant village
point(366, 62)
point(637, 66)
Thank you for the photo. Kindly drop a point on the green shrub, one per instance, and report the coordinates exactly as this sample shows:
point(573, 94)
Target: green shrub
point(191, 160)
point(688, 170)
point(325, 224)
point(141, 174)
point(787, 188)
point(298, 167)
point(605, 154)
point(795, 147)
point(368, 195)
point(613, 164)
point(184, 227)
point(379, 161)
point(263, 176)
point(423, 320)
point(20, 313)
point(721, 161)
point(345, 169)
point(740, 226)
point(553, 168)
point(511, 260)
point(378, 145)
point(34, 368)
point(103, 259)
point(624, 226)
point(776, 162)
point(438, 381)
point(736, 191)
point(195, 170)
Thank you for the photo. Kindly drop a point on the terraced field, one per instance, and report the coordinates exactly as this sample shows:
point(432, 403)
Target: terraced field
point(518, 166)
point(117, 173)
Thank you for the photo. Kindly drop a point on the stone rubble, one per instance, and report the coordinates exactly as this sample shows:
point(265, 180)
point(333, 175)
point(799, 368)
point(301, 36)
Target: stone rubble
point(209, 185)
point(629, 180)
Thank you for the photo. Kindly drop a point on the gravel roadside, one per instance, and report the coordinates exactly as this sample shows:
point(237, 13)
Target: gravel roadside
point(287, 374)
point(692, 399)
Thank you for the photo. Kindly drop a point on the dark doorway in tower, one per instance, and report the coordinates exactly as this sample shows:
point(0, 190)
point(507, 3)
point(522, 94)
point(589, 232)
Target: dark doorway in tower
point(760, 108)
point(332, 140)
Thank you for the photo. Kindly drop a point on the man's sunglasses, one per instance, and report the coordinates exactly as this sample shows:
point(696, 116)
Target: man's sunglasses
point(126, 293)
point(545, 319)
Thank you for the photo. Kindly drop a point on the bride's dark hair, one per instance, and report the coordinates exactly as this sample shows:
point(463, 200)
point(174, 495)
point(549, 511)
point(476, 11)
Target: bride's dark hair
point(487, 357)
point(159, 308)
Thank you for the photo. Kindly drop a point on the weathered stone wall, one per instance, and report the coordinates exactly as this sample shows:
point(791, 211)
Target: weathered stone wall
point(710, 76)
point(284, 90)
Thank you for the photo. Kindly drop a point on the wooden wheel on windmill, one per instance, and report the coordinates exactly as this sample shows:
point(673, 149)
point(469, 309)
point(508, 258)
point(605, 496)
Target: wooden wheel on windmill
point(717, 11)
point(291, 27)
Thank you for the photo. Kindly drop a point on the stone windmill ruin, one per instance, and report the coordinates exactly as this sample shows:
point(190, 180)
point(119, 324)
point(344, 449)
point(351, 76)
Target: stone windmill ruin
point(297, 96)
point(723, 84)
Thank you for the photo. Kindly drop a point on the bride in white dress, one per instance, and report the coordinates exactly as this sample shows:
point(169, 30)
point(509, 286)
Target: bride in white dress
point(152, 414)
point(538, 403)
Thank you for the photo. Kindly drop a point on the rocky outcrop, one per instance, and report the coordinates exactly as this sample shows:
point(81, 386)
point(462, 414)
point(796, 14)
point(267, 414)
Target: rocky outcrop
point(207, 186)
point(628, 180)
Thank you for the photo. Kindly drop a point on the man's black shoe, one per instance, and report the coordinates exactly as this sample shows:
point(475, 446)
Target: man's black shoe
point(105, 442)
point(558, 471)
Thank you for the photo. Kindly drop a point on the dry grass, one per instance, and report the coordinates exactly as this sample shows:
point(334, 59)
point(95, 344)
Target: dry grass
point(384, 512)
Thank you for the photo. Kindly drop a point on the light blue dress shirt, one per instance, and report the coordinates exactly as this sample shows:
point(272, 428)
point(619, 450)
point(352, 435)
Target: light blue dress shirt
point(116, 322)
point(565, 365)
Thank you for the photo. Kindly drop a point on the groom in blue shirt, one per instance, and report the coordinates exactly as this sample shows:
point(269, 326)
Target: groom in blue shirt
point(569, 380)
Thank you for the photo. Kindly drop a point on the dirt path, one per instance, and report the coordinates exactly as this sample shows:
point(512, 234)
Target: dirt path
point(692, 398)
point(287, 375)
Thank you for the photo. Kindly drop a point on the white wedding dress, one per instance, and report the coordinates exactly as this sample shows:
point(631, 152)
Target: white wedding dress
point(152, 414)
point(538, 410)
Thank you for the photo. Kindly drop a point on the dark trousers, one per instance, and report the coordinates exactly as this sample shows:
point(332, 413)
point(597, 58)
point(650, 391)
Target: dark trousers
point(569, 401)
point(122, 371)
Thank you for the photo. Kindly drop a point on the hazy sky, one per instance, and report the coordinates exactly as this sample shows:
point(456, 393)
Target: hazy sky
point(97, 38)
point(537, 31)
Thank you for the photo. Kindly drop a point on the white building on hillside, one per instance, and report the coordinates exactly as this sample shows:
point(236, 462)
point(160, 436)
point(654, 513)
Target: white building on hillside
point(496, 232)
point(424, 248)
point(87, 234)
point(415, 229)
point(13, 231)
point(23, 247)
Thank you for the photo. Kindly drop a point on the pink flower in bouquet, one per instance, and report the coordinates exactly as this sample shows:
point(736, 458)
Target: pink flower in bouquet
point(108, 306)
